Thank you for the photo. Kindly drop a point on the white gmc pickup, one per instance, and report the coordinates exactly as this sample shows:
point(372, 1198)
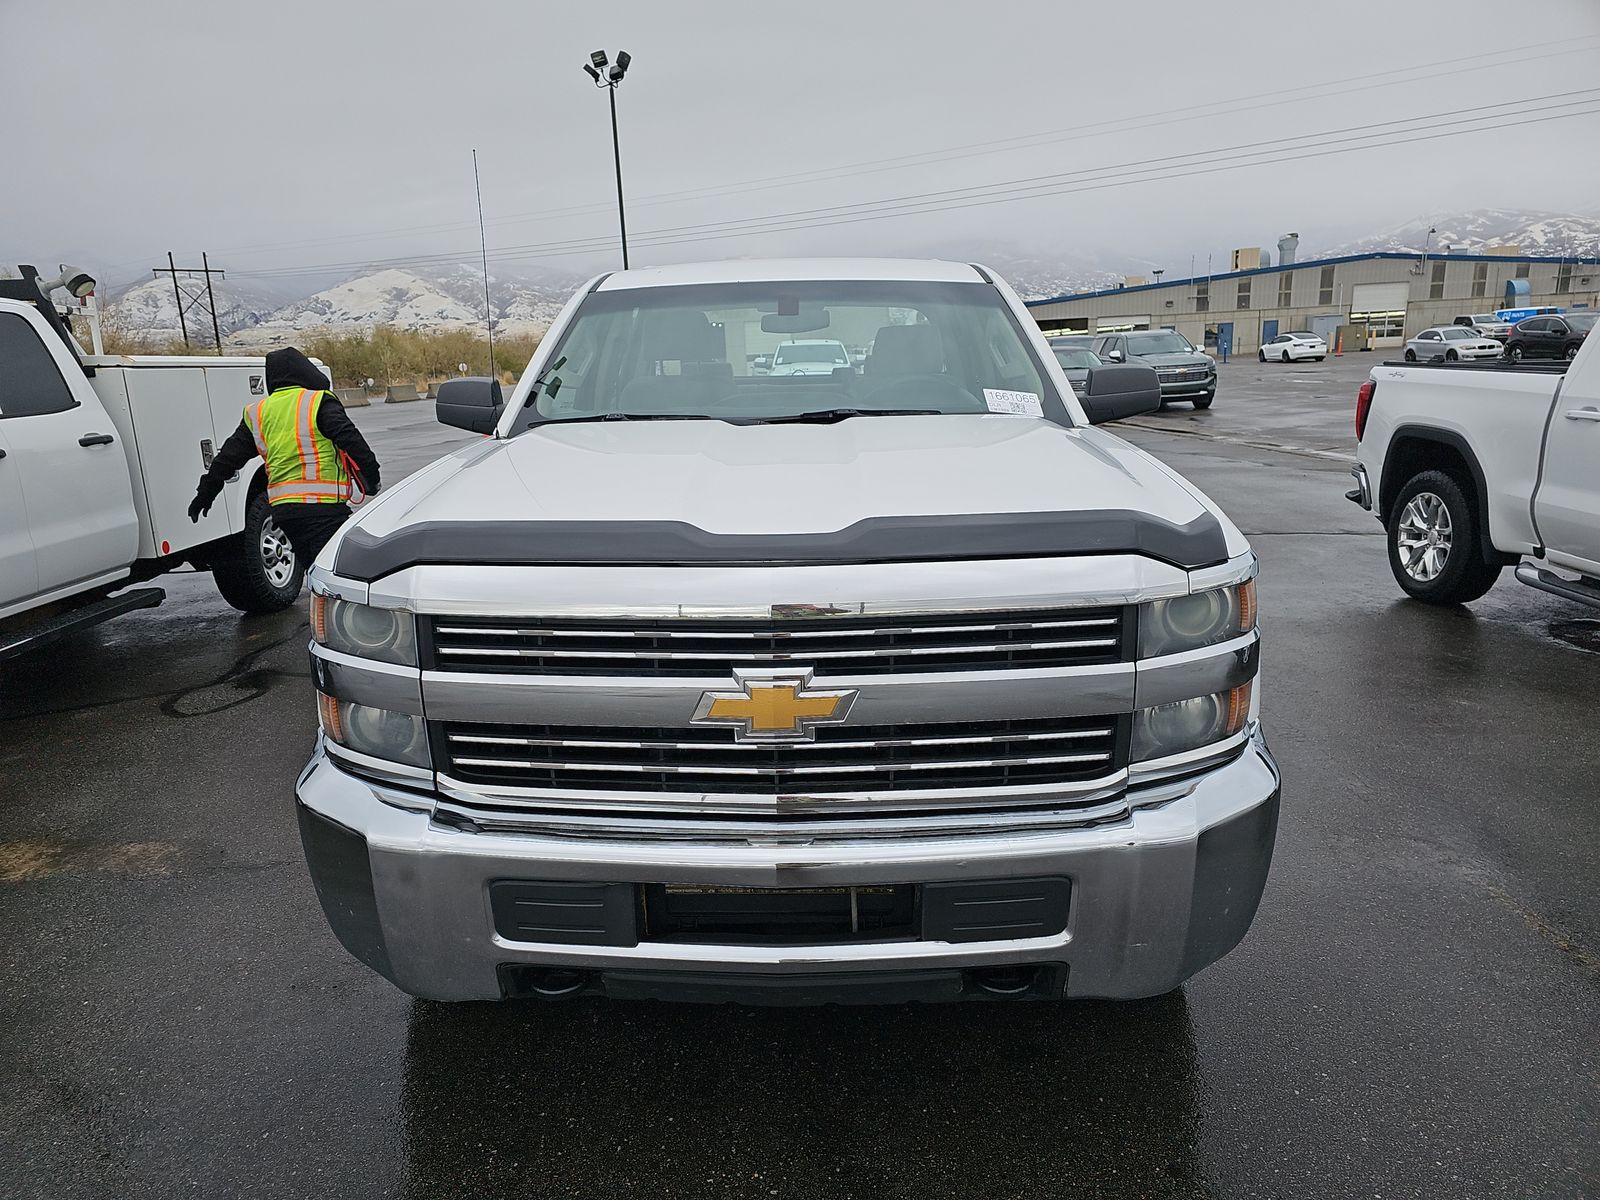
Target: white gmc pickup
point(1472, 468)
point(98, 458)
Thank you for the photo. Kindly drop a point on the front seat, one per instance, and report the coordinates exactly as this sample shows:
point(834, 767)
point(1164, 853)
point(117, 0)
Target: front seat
point(901, 350)
point(687, 338)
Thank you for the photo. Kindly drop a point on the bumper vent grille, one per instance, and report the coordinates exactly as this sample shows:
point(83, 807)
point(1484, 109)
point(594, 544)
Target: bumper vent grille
point(843, 759)
point(832, 645)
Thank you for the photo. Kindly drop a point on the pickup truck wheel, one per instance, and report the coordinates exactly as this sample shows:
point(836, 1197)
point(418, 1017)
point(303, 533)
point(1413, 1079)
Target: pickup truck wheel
point(258, 572)
point(1204, 399)
point(1434, 546)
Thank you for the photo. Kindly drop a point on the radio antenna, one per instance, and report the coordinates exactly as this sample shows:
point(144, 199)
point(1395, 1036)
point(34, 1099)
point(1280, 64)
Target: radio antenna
point(483, 243)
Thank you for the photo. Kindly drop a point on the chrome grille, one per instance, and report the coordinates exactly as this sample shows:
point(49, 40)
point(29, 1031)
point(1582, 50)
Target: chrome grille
point(830, 644)
point(1183, 375)
point(843, 759)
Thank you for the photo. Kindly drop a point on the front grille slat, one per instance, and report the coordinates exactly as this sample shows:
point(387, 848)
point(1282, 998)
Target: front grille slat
point(875, 759)
point(832, 645)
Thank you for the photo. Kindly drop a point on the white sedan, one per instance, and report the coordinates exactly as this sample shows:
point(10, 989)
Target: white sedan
point(1452, 343)
point(1292, 347)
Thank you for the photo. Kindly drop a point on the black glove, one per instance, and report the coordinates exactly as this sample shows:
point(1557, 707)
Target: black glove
point(198, 508)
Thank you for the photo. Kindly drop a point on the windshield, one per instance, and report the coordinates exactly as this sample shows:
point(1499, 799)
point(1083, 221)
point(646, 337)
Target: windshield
point(1076, 360)
point(811, 352)
point(1584, 322)
point(691, 351)
point(1159, 343)
point(1456, 333)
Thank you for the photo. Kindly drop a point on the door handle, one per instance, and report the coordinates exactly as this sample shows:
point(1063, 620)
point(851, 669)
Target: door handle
point(96, 439)
point(1582, 414)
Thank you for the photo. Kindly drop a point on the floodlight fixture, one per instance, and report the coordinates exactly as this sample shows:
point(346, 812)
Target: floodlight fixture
point(593, 74)
point(74, 279)
point(598, 58)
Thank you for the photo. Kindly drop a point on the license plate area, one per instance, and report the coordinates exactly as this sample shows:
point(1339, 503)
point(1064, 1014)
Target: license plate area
point(779, 916)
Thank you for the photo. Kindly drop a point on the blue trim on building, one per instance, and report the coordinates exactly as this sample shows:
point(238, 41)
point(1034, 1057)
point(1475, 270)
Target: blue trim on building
point(1316, 262)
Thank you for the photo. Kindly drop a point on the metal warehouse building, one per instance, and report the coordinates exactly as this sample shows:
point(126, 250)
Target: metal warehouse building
point(1386, 296)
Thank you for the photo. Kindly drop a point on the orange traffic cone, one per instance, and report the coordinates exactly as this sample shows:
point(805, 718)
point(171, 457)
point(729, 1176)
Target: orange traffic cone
point(1338, 345)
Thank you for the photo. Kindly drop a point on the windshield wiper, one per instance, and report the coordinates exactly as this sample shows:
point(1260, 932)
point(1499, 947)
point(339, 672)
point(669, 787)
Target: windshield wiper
point(824, 415)
point(624, 416)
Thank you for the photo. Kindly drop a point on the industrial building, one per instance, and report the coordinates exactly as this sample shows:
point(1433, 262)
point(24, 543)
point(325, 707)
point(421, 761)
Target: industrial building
point(1377, 299)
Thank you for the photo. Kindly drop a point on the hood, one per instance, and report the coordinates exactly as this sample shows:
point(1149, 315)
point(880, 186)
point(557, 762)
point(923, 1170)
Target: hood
point(288, 368)
point(1180, 358)
point(787, 479)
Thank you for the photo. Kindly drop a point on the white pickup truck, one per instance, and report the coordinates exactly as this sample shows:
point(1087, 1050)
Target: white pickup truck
point(1472, 468)
point(99, 455)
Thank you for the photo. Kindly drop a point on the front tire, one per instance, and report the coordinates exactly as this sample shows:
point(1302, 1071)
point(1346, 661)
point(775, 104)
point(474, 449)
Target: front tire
point(1452, 356)
point(1435, 547)
point(1411, 356)
point(257, 571)
point(1572, 351)
point(1204, 399)
point(1261, 356)
point(1514, 353)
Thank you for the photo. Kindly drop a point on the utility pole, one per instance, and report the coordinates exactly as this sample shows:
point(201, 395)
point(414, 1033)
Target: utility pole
point(609, 81)
point(186, 302)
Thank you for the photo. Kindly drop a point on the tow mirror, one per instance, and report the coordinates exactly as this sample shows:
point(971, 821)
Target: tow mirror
point(1119, 390)
point(473, 404)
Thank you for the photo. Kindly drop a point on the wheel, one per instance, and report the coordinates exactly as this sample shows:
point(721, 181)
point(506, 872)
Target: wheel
point(257, 572)
point(1285, 356)
point(1451, 356)
point(1411, 356)
point(1261, 356)
point(1572, 351)
point(1514, 352)
point(1434, 545)
point(1204, 399)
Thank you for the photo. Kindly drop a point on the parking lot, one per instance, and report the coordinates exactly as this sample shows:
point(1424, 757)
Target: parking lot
point(1416, 1011)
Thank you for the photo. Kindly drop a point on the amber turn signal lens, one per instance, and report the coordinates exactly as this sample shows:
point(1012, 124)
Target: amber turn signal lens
point(1238, 709)
point(319, 617)
point(1247, 606)
point(328, 713)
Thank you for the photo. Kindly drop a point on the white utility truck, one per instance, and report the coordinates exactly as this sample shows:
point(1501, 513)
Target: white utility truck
point(1473, 468)
point(99, 456)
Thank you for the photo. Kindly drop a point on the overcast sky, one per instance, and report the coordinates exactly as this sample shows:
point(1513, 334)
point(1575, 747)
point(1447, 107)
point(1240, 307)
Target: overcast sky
point(291, 135)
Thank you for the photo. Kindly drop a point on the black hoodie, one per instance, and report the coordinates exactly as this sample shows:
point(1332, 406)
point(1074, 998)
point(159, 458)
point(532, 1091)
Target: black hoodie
point(288, 368)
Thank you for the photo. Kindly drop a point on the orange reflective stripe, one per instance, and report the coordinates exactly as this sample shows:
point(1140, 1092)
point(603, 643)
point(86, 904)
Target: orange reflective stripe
point(252, 418)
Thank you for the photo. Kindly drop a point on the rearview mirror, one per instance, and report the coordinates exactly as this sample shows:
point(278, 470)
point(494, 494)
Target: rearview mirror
point(808, 320)
point(473, 404)
point(1114, 391)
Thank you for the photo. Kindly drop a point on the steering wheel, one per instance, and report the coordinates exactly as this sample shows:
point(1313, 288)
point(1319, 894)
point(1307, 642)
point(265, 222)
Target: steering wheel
point(922, 391)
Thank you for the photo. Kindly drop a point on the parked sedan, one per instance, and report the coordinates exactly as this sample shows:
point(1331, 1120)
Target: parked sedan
point(1076, 363)
point(1452, 343)
point(1550, 337)
point(1292, 347)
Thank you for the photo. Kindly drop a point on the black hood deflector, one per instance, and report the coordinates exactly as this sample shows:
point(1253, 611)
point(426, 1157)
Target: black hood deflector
point(1200, 543)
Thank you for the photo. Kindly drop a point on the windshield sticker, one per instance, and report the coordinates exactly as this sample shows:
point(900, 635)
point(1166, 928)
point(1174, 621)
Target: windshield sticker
point(1014, 404)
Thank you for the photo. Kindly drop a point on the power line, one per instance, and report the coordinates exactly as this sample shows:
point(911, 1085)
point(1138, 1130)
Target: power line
point(1263, 151)
point(1246, 103)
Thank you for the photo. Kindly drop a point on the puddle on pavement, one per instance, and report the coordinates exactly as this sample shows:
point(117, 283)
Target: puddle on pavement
point(1580, 634)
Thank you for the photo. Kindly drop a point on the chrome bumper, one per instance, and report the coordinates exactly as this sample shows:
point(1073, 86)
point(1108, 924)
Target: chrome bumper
point(1155, 896)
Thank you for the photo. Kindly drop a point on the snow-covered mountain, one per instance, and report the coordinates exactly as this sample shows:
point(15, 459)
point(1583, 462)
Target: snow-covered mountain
point(1535, 233)
point(151, 309)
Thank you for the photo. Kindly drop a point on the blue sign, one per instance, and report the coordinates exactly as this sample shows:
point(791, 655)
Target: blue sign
point(1512, 315)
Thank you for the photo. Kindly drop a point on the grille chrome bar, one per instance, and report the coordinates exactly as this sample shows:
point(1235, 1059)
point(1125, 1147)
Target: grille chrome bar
point(759, 655)
point(457, 631)
point(604, 744)
point(777, 772)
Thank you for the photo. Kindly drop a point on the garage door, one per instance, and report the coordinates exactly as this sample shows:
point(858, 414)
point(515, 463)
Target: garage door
point(1381, 307)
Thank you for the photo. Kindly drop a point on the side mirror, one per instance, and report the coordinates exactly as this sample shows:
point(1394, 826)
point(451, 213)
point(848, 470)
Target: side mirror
point(473, 404)
point(1117, 391)
point(1114, 355)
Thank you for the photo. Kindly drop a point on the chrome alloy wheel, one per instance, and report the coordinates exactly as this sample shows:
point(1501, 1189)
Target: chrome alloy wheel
point(1424, 537)
point(277, 555)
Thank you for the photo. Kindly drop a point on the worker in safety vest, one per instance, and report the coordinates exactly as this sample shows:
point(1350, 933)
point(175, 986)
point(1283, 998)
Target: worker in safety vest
point(316, 457)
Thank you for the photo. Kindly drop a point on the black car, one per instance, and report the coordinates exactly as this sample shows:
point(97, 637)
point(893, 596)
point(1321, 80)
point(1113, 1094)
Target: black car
point(1076, 363)
point(1549, 337)
point(1185, 372)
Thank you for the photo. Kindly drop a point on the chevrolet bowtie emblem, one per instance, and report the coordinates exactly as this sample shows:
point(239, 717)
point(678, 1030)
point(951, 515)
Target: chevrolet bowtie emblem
point(780, 706)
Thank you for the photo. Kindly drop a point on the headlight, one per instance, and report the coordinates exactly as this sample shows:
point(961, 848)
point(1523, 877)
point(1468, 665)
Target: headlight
point(1196, 620)
point(395, 736)
point(367, 632)
point(1187, 725)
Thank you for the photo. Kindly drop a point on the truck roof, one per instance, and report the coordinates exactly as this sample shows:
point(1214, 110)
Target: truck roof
point(793, 269)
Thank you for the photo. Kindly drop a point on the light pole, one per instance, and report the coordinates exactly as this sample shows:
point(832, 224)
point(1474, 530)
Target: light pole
point(609, 81)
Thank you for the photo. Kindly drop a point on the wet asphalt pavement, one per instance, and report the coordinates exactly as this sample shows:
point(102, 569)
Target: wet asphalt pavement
point(1416, 1012)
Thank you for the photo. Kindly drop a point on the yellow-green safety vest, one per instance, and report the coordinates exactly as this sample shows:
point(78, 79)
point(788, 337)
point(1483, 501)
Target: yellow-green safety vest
point(303, 466)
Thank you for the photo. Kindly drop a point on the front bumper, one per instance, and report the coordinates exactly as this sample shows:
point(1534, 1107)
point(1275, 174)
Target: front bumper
point(1195, 386)
point(1154, 897)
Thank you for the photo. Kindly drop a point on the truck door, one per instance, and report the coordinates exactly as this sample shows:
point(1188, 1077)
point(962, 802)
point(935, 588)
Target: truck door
point(68, 459)
point(19, 578)
point(1566, 508)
